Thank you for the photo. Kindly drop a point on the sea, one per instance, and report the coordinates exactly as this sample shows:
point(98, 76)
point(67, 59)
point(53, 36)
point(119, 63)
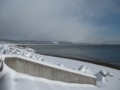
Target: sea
point(104, 53)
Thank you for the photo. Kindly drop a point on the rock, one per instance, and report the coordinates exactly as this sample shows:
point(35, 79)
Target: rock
point(104, 73)
point(110, 74)
point(1, 65)
point(101, 76)
point(84, 69)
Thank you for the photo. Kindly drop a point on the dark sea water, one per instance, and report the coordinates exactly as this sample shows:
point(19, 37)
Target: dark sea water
point(105, 53)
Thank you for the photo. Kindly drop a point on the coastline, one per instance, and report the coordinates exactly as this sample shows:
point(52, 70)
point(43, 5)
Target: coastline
point(15, 79)
point(99, 62)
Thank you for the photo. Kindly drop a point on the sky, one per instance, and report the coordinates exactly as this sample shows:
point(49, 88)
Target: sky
point(87, 21)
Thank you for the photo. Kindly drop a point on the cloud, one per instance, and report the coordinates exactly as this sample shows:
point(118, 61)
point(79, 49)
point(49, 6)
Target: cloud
point(61, 20)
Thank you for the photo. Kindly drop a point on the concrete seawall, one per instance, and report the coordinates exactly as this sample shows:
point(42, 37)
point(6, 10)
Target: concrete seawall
point(40, 70)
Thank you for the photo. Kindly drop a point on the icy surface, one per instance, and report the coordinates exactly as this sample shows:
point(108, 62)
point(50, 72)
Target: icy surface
point(11, 80)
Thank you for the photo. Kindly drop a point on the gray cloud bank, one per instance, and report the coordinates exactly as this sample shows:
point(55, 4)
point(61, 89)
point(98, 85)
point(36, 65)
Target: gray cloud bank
point(61, 20)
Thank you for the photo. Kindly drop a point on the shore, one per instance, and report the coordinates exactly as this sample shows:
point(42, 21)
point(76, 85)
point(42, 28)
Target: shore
point(98, 62)
point(13, 80)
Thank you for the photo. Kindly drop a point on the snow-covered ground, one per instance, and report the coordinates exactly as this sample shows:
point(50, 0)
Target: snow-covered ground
point(107, 78)
point(111, 83)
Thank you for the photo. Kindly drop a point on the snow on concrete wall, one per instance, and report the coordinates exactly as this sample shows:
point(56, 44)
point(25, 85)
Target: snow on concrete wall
point(40, 70)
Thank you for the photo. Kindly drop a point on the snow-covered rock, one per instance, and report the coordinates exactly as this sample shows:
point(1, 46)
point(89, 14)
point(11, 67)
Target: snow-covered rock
point(104, 73)
point(15, 50)
point(84, 69)
point(110, 74)
point(101, 76)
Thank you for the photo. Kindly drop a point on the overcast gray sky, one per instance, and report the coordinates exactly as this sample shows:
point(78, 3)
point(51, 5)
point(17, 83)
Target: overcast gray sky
point(60, 20)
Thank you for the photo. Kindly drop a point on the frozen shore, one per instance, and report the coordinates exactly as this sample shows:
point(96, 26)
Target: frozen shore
point(111, 83)
point(17, 81)
point(107, 79)
point(85, 59)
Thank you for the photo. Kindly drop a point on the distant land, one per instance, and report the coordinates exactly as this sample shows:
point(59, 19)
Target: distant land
point(33, 42)
point(115, 42)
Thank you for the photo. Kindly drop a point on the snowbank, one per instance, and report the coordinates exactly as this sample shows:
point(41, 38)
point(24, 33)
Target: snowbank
point(11, 80)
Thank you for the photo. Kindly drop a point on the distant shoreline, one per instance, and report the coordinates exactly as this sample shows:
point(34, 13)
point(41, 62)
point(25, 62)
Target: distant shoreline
point(114, 66)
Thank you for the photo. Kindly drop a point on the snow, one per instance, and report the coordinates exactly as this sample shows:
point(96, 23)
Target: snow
point(107, 78)
point(104, 73)
point(110, 74)
point(100, 77)
point(111, 83)
point(50, 65)
point(84, 69)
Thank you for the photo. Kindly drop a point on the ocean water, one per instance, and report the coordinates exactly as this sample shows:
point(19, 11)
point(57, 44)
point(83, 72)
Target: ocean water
point(105, 53)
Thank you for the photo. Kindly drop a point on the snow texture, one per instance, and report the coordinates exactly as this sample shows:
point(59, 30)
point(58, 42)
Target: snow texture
point(109, 79)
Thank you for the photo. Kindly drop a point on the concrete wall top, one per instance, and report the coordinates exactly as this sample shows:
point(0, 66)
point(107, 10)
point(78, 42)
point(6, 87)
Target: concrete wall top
point(48, 64)
point(46, 71)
